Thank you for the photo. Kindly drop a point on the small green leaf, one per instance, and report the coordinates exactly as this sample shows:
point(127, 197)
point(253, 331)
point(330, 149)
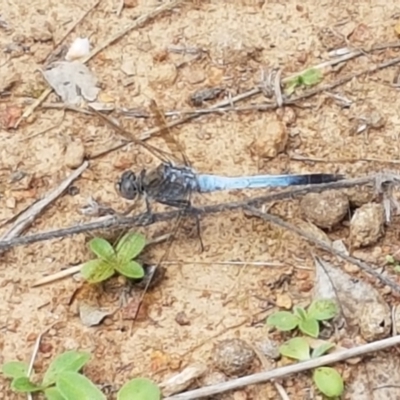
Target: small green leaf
point(283, 320)
point(296, 348)
point(69, 361)
point(131, 269)
point(328, 381)
point(73, 386)
point(292, 85)
point(300, 312)
point(139, 389)
point(52, 393)
point(15, 369)
point(390, 259)
point(102, 249)
point(130, 246)
point(310, 327)
point(322, 349)
point(22, 384)
point(98, 270)
point(322, 309)
point(311, 77)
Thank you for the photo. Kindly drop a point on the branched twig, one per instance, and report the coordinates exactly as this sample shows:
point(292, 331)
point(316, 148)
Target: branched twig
point(262, 377)
point(142, 219)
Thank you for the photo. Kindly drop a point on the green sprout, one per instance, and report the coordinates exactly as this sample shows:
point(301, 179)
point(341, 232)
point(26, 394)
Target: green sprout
point(115, 259)
point(308, 78)
point(328, 380)
point(306, 321)
point(394, 262)
point(62, 381)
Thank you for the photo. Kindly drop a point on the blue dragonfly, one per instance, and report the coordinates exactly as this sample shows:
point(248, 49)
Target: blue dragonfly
point(173, 181)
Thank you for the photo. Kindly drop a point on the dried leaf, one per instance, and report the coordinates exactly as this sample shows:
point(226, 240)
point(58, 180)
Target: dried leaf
point(90, 315)
point(72, 81)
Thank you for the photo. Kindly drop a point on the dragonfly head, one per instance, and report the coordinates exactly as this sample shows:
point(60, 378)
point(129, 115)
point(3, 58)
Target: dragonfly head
point(129, 185)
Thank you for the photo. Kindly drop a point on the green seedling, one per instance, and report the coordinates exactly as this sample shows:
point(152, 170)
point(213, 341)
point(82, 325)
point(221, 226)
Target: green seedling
point(308, 78)
point(62, 381)
point(391, 260)
point(110, 260)
point(307, 321)
point(139, 389)
point(328, 380)
point(68, 362)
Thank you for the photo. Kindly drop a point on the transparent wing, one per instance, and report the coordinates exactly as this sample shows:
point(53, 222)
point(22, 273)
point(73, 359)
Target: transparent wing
point(162, 155)
point(175, 147)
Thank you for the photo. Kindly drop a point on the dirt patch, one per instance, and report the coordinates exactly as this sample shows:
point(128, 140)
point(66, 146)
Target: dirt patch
point(223, 290)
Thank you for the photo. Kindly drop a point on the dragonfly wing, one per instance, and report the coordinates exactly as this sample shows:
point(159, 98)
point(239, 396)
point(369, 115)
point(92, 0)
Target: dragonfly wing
point(175, 147)
point(162, 155)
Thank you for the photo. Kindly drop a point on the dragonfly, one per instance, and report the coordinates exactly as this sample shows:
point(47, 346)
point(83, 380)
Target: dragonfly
point(172, 182)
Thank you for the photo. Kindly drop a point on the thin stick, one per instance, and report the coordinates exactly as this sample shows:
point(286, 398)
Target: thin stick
point(288, 370)
point(136, 24)
point(143, 220)
point(325, 246)
point(26, 218)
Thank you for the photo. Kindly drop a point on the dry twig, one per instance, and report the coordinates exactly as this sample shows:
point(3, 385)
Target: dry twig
point(288, 370)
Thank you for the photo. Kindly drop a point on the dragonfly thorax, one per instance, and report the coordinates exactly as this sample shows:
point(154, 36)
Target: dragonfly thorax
point(129, 185)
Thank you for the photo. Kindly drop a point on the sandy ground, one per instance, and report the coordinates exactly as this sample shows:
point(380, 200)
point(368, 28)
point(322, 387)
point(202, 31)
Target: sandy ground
point(219, 299)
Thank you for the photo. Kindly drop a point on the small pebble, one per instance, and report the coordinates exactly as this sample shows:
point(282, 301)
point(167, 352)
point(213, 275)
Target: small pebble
point(271, 142)
point(375, 321)
point(182, 319)
point(75, 154)
point(80, 47)
point(233, 357)
point(361, 195)
point(367, 225)
point(325, 209)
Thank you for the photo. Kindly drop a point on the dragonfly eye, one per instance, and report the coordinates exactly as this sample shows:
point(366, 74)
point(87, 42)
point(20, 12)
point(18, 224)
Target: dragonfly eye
point(128, 186)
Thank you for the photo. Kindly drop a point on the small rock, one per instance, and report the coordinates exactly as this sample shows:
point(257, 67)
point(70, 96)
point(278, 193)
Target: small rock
point(11, 202)
point(284, 301)
point(325, 209)
point(287, 115)
point(233, 357)
point(361, 195)
point(80, 48)
point(272, 142)
point(367, 225)
point(74, 154)
point(269, 348)
point(375, 321)
point(164, 74)
point(182, 319)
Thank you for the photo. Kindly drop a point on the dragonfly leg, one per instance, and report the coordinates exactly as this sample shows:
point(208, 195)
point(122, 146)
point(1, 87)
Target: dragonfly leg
point(198, 229)
point(149, 213)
